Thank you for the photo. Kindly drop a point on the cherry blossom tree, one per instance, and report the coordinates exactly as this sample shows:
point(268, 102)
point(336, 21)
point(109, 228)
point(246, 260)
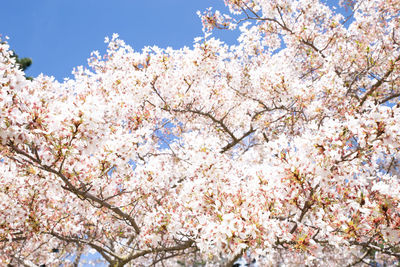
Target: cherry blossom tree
point(284, 147)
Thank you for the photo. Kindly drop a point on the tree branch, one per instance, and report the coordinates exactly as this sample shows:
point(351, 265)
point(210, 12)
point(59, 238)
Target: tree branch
point(379, 82)
point(77, 191)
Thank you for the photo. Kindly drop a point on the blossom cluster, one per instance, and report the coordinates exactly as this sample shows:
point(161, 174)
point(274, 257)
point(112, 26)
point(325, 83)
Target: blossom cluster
point(284, 147)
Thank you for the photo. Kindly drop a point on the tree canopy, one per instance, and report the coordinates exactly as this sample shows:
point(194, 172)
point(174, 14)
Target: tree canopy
point(283, 148)
point(24, 62)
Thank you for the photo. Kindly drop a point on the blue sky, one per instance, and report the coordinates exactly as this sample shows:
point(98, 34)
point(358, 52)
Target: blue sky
point(60, 34)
